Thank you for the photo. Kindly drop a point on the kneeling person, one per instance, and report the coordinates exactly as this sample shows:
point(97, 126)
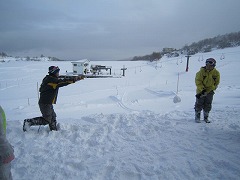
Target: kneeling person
point(48, 96)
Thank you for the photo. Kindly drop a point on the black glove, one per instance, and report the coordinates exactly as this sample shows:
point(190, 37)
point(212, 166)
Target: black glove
point(198, 95)
point(201, 94)
point(81, 77)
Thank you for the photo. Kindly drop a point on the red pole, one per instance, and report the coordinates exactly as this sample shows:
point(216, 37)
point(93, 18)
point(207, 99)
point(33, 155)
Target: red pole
point(187, 62)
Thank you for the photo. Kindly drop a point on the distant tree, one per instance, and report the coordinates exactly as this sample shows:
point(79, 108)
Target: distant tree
point(151, 57)
point(205, 45)
point(155, 56)
point(219, 42)
point(3, 54)
point(207, 49)
point(167, 50)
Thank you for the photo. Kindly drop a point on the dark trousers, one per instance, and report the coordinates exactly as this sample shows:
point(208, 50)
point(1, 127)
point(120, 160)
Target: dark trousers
point(204, 103)
point(48, 117)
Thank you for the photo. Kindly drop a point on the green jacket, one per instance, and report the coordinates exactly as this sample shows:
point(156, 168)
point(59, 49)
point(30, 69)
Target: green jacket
point(6, 150)
point(207, 80)
point(3, 121)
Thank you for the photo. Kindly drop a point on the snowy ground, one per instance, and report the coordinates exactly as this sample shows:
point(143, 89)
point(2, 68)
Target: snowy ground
point(126, 128)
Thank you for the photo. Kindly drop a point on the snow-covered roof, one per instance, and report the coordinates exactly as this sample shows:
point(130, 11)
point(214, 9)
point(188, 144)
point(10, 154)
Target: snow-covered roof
point(82, 61)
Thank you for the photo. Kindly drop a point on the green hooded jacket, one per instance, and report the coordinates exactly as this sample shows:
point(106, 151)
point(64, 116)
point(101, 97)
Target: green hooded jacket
point(207, 80)
point(3, 118)
point(6, 150)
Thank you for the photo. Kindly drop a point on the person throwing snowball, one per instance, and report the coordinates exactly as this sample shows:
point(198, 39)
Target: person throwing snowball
point(48, 96)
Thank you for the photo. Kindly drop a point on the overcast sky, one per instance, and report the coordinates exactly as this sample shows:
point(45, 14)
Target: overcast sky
point(110, 29)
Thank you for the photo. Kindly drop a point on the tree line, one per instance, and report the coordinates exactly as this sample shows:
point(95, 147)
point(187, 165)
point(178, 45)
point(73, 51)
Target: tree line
point(3, 54)
point(206, 45)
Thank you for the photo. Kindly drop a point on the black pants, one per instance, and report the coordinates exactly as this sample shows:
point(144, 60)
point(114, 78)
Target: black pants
point(204, 102)
point(49, 115)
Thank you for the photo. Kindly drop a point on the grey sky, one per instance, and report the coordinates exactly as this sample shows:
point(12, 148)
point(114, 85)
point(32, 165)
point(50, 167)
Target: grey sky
point(110, 29)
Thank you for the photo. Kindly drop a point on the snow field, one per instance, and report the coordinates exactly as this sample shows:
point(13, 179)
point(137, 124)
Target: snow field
point(125, 128)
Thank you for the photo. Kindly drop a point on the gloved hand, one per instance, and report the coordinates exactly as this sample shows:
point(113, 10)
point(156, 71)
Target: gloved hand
point(81, 77)
point(78, 78)
point(203, 93)
point(198, 95)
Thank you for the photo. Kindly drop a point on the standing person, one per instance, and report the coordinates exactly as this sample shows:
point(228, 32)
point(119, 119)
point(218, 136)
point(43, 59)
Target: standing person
point(207, 80)
point(6, 150)
point(48, 96)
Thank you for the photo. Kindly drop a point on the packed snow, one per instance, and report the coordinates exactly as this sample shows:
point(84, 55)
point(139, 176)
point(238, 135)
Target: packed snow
point(140, 126)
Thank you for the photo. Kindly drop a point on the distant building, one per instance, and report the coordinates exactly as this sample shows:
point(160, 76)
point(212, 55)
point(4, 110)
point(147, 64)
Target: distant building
point(81, 67)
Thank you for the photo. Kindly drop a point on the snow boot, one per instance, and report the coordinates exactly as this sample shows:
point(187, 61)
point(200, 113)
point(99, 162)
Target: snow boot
point(197, 116)
point(58, 127)
point(206, 116)
point(26, 125)
point(53, 126)
point(37, 121)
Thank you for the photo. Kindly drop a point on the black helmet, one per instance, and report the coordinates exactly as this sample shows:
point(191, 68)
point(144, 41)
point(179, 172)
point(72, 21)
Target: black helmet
point(211, 62)
point(53, 69)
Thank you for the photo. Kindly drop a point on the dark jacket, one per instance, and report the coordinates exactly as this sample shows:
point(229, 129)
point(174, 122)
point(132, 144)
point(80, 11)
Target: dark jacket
point(49, 88)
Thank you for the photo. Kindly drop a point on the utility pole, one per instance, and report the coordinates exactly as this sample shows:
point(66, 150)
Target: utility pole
point(188, 56)
point(124, 69)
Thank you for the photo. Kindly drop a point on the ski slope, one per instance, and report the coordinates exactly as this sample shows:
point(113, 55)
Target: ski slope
point(126, 128)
